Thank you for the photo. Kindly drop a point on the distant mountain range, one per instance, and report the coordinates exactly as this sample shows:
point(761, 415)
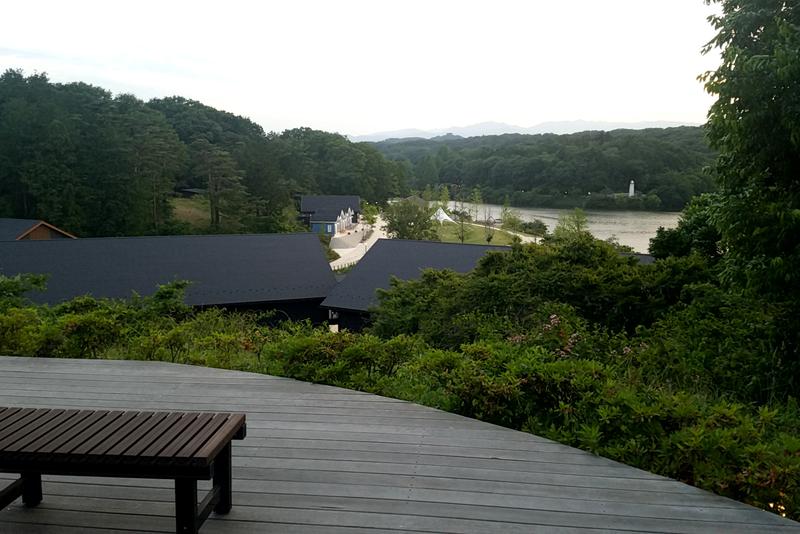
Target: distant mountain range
point(499, 128)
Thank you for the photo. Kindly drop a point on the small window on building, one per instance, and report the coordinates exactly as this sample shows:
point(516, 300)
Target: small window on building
point(330, 228)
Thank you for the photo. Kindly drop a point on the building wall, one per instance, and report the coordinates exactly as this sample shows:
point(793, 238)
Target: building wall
point(323, 228)
point(297, 310)
point(42, 233)
point(352, 320)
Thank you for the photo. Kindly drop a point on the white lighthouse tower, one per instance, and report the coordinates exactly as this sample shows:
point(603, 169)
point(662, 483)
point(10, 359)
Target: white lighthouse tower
point(631, 190)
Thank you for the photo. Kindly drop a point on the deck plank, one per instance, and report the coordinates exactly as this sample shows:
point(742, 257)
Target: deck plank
point(323, 459)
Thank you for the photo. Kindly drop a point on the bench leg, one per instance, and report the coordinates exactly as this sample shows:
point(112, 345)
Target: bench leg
point(10, 493)
point(186, 520)
point(28, 486)
point(223, 479)
point(31, 489)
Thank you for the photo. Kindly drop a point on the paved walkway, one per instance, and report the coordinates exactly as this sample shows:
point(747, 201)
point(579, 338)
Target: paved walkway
point(349, 256)
point(525, 238)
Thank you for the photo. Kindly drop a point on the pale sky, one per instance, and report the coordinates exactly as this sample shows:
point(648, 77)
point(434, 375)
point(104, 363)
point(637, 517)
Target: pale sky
point(358, 67)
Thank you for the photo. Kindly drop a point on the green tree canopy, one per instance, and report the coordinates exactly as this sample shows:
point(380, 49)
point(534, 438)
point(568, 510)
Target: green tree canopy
point(695, 232)
point(755, 125)
point(408, 220)
point(221, 178)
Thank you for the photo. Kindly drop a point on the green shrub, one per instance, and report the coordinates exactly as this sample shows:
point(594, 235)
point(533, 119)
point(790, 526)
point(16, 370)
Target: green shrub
point(20, 332)
point(14, 288)
point(724, 343)
point(176, 342)
point(87, 334)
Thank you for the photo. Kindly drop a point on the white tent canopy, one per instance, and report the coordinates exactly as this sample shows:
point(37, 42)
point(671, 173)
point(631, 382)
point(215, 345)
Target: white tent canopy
point(441, 216)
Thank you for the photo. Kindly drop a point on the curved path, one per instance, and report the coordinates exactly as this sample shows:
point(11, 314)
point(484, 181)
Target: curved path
point(525, 238)
point(320, 459)
point(349, 256)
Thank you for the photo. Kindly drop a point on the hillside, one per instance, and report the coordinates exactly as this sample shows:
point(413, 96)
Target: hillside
point(98, 164)
point(586, 169)
point(500, 128)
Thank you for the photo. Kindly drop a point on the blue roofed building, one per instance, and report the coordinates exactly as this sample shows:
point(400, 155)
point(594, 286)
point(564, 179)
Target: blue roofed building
point(330, 214)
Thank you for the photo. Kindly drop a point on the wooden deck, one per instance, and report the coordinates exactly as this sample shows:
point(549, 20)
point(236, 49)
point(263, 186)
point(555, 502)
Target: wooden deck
point(319, 459)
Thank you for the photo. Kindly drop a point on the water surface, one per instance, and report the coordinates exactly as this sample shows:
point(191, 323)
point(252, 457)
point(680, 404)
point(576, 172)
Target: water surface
point(632, 228)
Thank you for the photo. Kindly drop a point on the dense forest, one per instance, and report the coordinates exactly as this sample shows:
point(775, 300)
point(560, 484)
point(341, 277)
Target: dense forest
point(103, 165)
point(588, 170)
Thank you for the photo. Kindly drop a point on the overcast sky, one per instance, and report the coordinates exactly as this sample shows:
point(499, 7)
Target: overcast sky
point(358, 67)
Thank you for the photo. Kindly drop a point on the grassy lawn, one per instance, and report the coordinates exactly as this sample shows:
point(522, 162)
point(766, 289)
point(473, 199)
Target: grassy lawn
point(192, 211)
point(448, 232)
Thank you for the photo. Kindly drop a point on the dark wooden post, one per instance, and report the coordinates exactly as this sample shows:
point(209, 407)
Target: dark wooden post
point(224, 480)
point(31, 489)
point(186, 520)
point(10, 493)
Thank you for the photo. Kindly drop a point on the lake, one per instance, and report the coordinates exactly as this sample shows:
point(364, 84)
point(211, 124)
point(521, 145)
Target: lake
point(632, 228)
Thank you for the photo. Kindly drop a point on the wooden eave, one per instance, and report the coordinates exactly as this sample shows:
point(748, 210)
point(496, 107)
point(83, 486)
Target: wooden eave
point(46, 225)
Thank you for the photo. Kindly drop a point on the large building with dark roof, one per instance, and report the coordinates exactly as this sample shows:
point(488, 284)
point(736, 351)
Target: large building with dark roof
point(329, 214)
point(352, 298)
point(30, 229)
point(287, 272)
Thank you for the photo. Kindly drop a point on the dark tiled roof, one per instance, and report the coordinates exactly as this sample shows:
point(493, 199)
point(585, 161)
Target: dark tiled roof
point(418, 201)
point(326, 208)
point(644, 259)
point(405, 260)
point(11, 229)
point(224, 269)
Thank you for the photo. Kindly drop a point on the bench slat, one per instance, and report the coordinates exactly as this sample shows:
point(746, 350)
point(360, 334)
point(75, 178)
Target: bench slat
point(98, 417)
point(147, 438)
point(13, 421)
point(12, 416)
point(51, 431)
point(202, 420)
point(102, 435)
point(137, 434)
point(170, 435)
point(194, 445)
point(25, 426)
point(65, 433)
point(5, 413)
point(213, 446)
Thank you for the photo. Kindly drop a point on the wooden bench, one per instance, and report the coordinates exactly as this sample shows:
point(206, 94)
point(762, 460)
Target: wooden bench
point(184, 446)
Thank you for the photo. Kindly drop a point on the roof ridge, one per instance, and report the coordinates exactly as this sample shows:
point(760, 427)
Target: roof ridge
point(125, 237)
point(442, 242)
